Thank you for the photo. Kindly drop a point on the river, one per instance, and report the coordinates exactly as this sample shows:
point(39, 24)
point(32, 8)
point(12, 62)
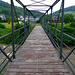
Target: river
point(71, 57)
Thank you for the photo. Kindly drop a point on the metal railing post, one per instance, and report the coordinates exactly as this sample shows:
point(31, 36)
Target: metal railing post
point(28, 21)
point(51, 23)
point(12, 22)
point(47, 23)
point(41, 21)
point(44, 20)
point(47, 17)
point(34, 21)
point(62, 19)
point(24, 24)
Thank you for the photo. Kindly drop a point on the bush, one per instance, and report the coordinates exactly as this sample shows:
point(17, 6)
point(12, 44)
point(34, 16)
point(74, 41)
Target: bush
point(3, 32)
point(72, 24)
point(68, 30)
point(68, 18)
point(17, 26)
point(38, 21)
point(2, 26)
point(52, 24)
point(27, 24)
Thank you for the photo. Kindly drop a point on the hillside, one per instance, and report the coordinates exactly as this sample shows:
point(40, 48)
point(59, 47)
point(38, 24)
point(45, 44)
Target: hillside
point(68, 10)
point(5, 9)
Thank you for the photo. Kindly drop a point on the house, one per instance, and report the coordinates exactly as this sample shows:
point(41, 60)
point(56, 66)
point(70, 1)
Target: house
point(26, 18)
point(21, 18)
point(54, 19)
point(36, 18)
point(2, 16)
point(31, 18)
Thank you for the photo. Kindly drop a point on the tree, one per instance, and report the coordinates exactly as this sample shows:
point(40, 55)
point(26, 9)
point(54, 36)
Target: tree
point(0, 19)
point(38, 21)
point(68, 18)
point(8, 19)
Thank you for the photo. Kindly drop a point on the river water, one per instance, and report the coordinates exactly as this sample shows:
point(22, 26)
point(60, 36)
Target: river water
point(71, 57)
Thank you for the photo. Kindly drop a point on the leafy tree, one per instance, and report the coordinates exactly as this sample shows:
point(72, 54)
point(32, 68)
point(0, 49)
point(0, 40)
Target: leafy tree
point(72, 24)
point(8, 19)
point(0, 18)
point(68, 18)
point(38, 21)
point(5, 9)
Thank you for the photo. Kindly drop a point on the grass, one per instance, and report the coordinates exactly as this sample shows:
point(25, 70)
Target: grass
point(37, 24)
point(4, 31)
point(7, 25)
point(70, 12)
point(7, 30)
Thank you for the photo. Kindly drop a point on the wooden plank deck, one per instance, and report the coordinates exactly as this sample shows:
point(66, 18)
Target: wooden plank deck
point(37, 56)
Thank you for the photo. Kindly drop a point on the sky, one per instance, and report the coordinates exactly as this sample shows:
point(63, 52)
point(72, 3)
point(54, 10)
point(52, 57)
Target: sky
point(48, 2)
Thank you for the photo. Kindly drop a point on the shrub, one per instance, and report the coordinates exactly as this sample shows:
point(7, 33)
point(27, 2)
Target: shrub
point(68, 30)
point(17, 26)
point(27, 24)
point(68, 18)
point(38, 21)
point(2, 26)
point(52, 24)
point(72, 24)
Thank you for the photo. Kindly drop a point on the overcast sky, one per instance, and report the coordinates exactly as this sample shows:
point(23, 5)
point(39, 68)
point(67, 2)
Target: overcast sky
point(48, 2)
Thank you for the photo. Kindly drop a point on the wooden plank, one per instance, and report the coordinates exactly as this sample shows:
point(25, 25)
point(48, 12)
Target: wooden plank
point(37, 56)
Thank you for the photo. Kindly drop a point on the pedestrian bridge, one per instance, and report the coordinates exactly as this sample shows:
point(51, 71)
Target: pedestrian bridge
point(38, 50)
point(37, 56)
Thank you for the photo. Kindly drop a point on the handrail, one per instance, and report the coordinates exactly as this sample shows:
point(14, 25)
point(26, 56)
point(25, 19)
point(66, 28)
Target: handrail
point(52, 33)
point(58, 48)
point(10, 33)
point(21, 37)
point(64, 33)
point(69, 54)
point(5, 54)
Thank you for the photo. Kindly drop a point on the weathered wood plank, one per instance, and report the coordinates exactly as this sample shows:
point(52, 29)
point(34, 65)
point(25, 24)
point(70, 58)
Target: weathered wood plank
point(37, 56)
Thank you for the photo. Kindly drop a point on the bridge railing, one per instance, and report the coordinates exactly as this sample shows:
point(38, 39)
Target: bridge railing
point(17, 37)
point(58, 35)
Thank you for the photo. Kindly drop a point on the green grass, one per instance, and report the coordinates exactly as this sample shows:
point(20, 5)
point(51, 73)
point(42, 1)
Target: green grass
point(8, 29)
point(37, 24)
point(70, 12)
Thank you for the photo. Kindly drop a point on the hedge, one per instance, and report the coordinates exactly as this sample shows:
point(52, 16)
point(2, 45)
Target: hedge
point(72, 24)
point(68, 30)
point(2, 26)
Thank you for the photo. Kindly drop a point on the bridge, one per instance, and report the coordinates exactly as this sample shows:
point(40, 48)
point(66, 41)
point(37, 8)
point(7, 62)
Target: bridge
point(38, 50)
